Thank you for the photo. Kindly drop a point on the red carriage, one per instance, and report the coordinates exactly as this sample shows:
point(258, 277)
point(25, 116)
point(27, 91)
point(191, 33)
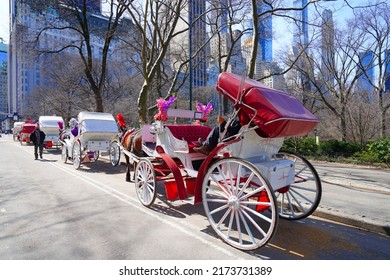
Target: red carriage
point(246, 183)
point(26, 129)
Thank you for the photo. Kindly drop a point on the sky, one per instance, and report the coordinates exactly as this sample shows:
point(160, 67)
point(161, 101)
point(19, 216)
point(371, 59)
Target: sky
point(278, 27)
point(4, 26)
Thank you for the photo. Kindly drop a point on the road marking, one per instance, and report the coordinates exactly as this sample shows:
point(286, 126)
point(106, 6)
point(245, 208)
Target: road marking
point(136, 204)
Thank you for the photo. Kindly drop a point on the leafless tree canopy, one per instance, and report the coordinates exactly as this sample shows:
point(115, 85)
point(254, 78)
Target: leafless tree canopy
point(144, 53)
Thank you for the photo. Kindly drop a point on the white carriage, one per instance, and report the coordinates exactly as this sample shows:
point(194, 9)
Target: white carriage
point(245, 183)
point(95, 133)
point(49, 125)
point(16, 130)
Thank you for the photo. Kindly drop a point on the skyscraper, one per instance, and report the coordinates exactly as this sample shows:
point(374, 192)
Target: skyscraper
point(366, 69)
point(26, 70)
point(387, 70)
point(3, 81)
point(93, 6)
point(198, 37)
point(191, 42)
point(265, 32)
point(300, 44)
point(301, 31)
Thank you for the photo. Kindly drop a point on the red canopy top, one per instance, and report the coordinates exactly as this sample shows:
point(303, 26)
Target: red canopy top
point(28, 127)
point(276, 113)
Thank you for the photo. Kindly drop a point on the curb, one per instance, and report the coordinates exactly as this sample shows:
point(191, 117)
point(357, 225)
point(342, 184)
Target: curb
point(353, 222)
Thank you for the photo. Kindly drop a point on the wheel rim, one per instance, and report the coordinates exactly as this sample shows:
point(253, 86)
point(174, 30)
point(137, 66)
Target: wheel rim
point(64, 154)
point(76, 155)
point(231, 194)
point(301, 198)
point(114, 154)
point(96, 155)
point(145, 182)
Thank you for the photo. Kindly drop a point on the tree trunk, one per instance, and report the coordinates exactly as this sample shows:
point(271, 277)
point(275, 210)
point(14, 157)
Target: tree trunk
point(142, 104)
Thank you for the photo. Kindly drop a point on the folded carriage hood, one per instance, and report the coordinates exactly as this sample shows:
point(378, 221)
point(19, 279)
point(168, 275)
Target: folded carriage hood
point(276, 113)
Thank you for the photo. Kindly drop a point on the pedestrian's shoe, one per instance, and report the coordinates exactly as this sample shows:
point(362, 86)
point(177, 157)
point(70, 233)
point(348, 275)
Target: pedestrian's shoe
point(41, 157)
point(36, 158)
point(202, 150)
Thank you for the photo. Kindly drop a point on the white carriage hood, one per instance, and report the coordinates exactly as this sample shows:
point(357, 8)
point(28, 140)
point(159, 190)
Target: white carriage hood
point(50, 121)
point(97, 122)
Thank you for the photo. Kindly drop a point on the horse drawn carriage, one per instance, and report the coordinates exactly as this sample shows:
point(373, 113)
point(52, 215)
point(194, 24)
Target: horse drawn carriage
point(92, 135)
point(245, 183)
point(27, 128)
point(50, 126)
point(16, 129)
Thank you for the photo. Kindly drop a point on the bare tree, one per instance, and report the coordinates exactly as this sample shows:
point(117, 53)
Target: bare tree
point(334, 80)
point(374, 21)
point(78, 20)
point(157, 24)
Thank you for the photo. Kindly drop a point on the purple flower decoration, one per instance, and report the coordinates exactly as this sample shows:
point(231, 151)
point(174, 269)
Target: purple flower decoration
point(205, 109)
point(163, 106)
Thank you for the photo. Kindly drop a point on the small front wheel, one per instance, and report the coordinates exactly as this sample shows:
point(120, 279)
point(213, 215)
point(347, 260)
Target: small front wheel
point(239, 203)
point(64, 153)
point(115, 153)
point(145, 182)
point(96, 155)
point(76, 155)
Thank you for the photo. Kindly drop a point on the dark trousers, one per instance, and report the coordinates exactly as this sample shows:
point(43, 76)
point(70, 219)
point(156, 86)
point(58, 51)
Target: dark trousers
point(36, 147)
point(212, 139)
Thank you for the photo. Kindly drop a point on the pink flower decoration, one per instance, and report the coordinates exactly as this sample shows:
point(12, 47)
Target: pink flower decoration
point(163, 106)
point(205, 109)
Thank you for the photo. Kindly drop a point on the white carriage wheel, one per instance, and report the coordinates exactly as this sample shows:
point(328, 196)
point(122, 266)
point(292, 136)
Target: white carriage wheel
point(96, 155)
point(76, 155)
point(239, 203)
point(115, 153)
point(145, 182)
point(301, 198)
point(64, 153)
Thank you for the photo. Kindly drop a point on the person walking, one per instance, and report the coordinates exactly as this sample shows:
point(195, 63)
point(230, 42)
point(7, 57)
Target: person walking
point(37, 137)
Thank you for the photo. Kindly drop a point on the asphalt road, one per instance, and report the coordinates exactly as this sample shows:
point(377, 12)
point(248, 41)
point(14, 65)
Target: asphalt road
point(49, 210)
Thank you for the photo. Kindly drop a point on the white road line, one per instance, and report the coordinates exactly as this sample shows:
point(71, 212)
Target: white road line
point(136, 204)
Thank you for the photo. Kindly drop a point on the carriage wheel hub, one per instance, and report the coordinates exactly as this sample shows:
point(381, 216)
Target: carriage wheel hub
point(234, 203)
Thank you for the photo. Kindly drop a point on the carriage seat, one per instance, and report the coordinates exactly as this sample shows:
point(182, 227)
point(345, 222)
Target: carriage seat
point(189, 133)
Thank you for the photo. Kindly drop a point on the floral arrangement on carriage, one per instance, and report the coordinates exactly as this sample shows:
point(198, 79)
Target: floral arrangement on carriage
point(163, 106)
point(205, 109)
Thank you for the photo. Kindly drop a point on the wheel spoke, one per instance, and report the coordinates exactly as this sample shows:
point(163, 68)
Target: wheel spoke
point(230, 199)
point(254, 224)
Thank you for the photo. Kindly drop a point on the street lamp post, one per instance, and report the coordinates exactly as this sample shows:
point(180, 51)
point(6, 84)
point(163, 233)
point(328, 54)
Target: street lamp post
point(190, 52)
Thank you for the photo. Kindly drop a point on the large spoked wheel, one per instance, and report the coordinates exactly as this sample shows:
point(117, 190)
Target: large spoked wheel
point(64, 153)
point(301, 198)
point(76, 155)
point(239, 203)
point(145, 182)
point(115, 153)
